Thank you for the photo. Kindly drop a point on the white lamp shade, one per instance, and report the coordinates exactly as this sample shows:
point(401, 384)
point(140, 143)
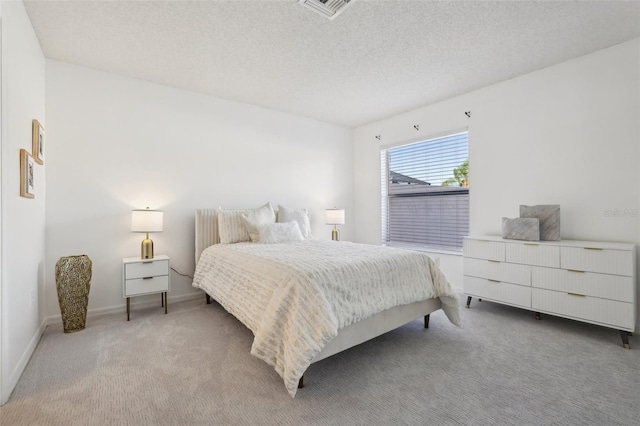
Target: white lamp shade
point(146, 220)
point(334, 216)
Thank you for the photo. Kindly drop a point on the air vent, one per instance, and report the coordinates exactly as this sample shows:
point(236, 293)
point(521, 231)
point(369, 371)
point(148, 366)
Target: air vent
point(327, 8)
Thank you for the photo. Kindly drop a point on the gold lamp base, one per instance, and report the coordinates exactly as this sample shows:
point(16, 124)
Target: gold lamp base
point(335, 234)
point(146, 249)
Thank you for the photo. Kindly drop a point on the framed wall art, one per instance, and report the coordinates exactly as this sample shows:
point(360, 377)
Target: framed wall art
point(38, 142)
point(27, 166)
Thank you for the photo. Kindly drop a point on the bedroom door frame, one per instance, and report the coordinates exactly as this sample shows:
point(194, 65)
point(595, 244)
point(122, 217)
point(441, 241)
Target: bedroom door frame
point(3, 398)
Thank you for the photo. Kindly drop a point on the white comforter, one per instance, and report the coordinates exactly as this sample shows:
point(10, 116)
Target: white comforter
point(295, 297)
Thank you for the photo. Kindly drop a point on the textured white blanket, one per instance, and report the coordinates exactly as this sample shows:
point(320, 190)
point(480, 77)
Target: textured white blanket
point(295, 297)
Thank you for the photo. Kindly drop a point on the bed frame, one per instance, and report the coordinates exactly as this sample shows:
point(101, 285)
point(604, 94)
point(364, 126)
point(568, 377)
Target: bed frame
point(206, 234)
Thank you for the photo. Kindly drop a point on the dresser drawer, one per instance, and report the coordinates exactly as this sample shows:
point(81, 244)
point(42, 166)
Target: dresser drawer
point(500, 271)
point(146, 269)
point(498, 291)
point(610, 313)
point(140, 286)
point(483, 249)
point(618, 262)
point(533, 254)
point(613, 287)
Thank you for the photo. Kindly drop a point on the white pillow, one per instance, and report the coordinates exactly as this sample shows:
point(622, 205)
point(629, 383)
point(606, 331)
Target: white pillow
point(260, 216)
point(274, 233)
point(231, 228)
point(301, 217)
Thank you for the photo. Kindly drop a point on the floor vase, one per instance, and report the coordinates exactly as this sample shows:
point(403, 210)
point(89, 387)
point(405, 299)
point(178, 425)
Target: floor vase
point(73, 281)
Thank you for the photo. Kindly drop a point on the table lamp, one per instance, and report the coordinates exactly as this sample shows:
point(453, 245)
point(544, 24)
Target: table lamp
point(334, 217)
point(146, 221)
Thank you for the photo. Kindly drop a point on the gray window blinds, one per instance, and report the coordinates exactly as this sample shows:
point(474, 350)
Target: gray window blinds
point(425, 193)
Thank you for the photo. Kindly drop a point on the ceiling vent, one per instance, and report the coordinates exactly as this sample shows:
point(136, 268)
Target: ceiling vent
point(327, 8)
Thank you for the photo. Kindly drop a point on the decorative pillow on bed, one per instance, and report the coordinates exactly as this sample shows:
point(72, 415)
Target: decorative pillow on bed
point(274, 233)
point(261, 216)
point(231, 227)
point(301, 217)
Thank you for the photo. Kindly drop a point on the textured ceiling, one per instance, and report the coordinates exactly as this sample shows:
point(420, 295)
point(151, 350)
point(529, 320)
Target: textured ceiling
point(375, 60)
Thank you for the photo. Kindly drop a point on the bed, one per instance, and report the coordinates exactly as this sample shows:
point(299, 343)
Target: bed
point(309, 299)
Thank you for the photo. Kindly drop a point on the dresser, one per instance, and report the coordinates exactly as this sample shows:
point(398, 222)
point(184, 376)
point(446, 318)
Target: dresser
point(145, 276)
point(588, 281)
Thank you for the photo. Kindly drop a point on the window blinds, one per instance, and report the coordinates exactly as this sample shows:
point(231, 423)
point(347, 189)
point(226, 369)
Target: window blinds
point(425, 193)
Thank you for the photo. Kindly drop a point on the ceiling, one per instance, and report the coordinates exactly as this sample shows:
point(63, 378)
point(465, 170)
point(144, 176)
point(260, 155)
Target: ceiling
point(375, 60)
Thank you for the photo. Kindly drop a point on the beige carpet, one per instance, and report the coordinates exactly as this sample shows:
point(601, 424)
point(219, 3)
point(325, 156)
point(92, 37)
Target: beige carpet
point(193, 367)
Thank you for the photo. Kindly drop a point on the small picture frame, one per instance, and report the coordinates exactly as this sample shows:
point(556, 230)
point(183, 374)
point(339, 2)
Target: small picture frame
point(27, 166)
point(37, 142)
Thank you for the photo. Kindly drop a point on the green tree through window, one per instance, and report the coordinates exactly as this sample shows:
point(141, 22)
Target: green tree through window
point(460, 176)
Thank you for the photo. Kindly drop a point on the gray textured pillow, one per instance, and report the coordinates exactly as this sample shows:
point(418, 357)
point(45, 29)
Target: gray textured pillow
point(521, 228)
point(549, 217)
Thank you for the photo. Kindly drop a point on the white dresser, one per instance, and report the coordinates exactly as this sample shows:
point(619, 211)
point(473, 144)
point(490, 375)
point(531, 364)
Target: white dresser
point(588, 281)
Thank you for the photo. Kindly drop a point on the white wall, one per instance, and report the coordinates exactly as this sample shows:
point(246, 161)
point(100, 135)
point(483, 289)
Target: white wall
point(23, 220)
point(568, 134)
point(116, 143)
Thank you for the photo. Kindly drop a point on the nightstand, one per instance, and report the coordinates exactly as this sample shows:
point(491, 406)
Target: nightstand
point(145, 276)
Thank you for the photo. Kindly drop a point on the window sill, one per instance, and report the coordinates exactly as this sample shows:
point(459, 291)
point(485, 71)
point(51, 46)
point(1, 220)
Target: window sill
point(419, 247)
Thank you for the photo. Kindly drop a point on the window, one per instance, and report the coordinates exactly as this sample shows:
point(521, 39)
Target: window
point(425, 194)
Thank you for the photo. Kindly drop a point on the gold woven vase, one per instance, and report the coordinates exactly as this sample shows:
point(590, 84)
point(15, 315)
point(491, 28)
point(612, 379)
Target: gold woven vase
point(73, 281)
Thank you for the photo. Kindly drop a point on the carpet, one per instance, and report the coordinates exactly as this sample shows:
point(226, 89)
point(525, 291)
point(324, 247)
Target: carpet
point(193, 367)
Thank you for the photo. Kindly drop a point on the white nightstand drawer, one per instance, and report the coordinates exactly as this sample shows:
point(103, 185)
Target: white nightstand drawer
point(533, 254)
point(140, 286)
point(500, 271)
point(144, 269)
point(613, 287)
point(498, 291)
point(611, 313)
point(483, 249)
point(594, 259)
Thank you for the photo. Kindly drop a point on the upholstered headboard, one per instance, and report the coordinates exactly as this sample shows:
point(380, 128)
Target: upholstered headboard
point(206, 230)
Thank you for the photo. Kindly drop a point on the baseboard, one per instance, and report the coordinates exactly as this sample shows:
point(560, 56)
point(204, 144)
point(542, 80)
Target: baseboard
point(116, 309)
point(10, 385)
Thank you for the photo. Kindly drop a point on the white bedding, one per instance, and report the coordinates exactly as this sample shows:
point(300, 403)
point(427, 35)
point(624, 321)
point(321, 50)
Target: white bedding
point(295, 297)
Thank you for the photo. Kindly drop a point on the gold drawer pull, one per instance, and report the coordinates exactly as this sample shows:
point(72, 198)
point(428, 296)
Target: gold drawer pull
point(593, 248)
point(494, 261)
point(147, 261)
point(493, 281)
point(576, 294)
point(147, 278)
point(575, 270)
point(530, 244)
